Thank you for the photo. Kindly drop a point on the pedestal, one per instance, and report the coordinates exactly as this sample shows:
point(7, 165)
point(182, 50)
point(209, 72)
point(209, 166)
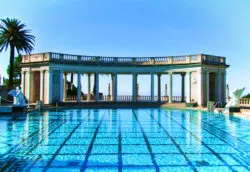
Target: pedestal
point(234, 109)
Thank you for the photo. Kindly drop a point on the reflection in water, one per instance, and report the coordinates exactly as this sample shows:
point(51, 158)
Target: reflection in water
point(231, 125)
point(26, 127)
point(187, 122)
point(46, 126)
point(114, 119)
point(174, 139)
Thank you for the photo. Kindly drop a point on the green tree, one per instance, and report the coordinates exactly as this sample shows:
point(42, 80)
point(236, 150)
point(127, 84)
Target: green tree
point(246, 96)
point(16, 72)
point(13, 35)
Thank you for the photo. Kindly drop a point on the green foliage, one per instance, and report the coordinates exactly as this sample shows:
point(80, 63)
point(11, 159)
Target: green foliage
point(72, 89)
point(247, 96)
point(16, 73)
point(13, 35)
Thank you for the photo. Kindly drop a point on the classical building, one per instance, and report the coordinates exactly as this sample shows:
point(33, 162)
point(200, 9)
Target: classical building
point(44, 76)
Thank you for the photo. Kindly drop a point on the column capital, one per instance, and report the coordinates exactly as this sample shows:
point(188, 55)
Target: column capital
point(159, 74)
point(183, 74)
point(170, 73)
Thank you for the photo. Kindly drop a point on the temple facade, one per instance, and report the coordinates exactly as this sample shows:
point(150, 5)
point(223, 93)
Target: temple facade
point(44, 77)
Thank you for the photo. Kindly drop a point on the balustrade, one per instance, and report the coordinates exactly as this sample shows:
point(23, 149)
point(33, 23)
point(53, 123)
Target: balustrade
point(206, 59)
point(245, 102)
point(127, 98)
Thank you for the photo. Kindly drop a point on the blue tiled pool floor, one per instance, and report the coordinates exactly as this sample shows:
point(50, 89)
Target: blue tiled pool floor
point(124, 140)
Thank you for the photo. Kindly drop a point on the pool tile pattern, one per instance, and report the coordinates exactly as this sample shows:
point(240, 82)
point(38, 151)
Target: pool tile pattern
point(124, 140)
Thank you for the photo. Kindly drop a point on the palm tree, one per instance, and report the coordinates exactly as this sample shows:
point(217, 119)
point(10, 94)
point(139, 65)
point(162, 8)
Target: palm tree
point(14, 35)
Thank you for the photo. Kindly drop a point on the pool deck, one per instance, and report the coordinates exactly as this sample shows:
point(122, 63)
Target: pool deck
point(71, 105)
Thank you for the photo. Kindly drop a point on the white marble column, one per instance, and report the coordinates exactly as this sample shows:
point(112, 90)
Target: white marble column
point(225, 87)
point(183, 87)
point(78, 87)
point(28, 94)
point(23, 82)
point(96, 86)
point(171, 87)
point(89, 86)
point(159, 87)
point(200, 90)
point(50, 83)
point(114, 87)
point(61, 86)
point(207, 85)
point(65, 87)
point(219, 83)
point(134, 86)
point(152, 86)
point(188, 98)
point(42, 85)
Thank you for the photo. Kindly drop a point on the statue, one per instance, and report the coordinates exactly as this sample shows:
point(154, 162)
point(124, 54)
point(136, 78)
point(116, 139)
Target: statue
point(39, 105)
point(234, 100)
point(109, 95)
point(227, 94)
point(19, 99)
point(109, 89)
point(166, 89)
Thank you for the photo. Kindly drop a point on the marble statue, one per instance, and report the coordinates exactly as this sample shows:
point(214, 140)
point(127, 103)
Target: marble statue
point(19, 99)
point(235, 97)
point(227, 94)
point(166, 89)
point(109, 89)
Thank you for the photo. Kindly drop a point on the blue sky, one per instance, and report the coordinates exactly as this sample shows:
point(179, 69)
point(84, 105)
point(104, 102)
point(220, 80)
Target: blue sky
point(139, 28)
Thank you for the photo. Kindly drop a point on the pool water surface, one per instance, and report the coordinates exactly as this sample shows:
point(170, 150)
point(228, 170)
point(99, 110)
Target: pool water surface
point(124, 140)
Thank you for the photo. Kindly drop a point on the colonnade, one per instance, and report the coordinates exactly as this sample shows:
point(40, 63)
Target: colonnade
point(195, 86)
point(203, 77)
point(114, 87)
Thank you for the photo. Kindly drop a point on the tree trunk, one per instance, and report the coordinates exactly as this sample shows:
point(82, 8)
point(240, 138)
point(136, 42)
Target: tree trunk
point(12, 56)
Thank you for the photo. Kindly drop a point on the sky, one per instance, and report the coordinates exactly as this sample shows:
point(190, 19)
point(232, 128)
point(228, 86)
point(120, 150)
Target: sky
point(139, 28)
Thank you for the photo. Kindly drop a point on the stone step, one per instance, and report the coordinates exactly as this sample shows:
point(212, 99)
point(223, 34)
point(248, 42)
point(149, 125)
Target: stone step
point(245, 111)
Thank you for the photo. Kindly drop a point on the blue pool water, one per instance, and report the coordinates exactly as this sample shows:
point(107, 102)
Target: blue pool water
point(124, 140)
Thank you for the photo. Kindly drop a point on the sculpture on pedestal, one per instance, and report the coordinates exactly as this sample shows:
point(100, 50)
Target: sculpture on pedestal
point(233, 103)
point(235, 97)
point(166, 89)
point(19, 99)
point(166, 93)
point(109, 95)
point(227, 94)
point(109, 89)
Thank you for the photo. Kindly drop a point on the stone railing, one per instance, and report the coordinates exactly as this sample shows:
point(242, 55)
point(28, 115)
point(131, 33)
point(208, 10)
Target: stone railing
point(126, 98)
point(245, 102)
point(68, 58)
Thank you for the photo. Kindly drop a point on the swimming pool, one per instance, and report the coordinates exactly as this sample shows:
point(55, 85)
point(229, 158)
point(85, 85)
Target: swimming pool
point(124, 140)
